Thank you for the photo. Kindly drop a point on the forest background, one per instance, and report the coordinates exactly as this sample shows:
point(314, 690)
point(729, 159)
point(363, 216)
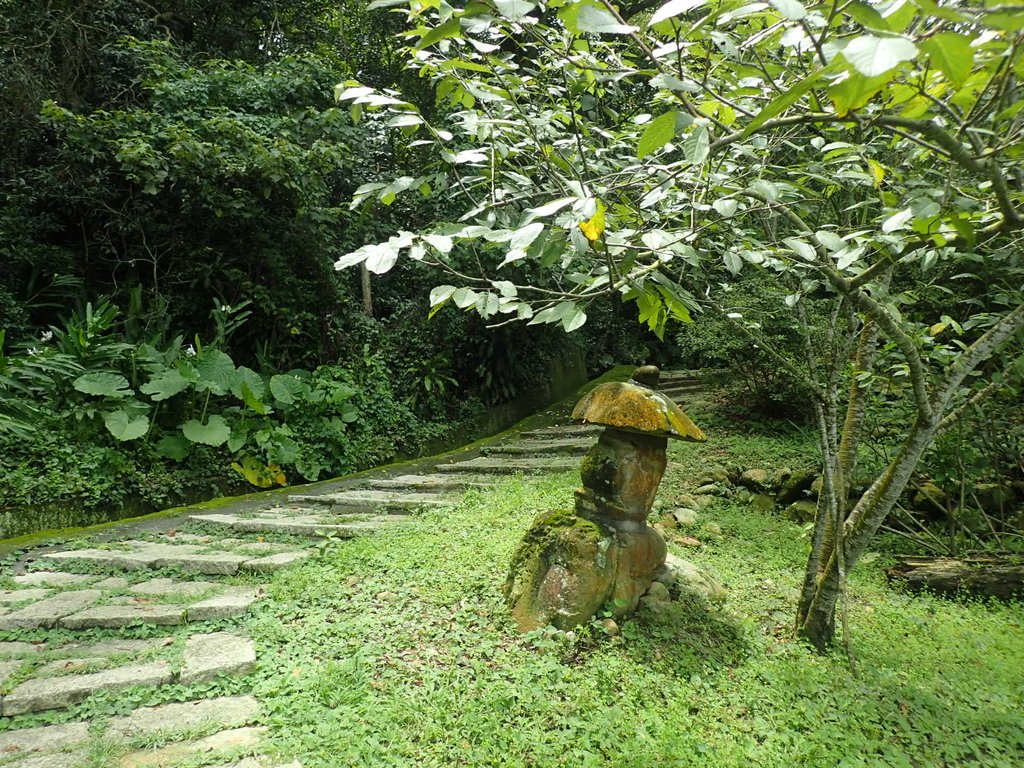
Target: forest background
point(175, 191)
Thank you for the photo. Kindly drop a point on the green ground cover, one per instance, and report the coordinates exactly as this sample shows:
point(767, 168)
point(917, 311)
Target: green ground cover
point(396, 650)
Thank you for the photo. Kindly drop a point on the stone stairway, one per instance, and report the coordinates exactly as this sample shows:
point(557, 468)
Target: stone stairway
point(191, 580)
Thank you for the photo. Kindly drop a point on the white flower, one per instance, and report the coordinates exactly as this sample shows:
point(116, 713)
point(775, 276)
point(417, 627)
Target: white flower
point(47, 335)
point(33, 352)
point(190, 351)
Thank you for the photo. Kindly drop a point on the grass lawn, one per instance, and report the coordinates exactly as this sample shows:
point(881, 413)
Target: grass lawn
point(397, 650)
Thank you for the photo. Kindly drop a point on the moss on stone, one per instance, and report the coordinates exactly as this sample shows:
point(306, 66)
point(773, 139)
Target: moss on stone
point(637, 409)
point(559, 541)
point(598, 470)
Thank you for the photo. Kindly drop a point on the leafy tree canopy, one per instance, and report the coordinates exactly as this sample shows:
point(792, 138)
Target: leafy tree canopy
point(864, 154)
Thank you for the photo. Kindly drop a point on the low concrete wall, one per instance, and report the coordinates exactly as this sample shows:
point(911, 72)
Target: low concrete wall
point(563, 377)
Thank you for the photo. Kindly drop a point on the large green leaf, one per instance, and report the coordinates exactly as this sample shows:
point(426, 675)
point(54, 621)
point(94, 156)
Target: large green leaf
point(439, 296)
point(675, 8)
point(790, 9)
point(103, 385)
point(873, 56)
point(286, 388)
point(854, 91)
point(697, 145)
point(173, 447)
point(215, 370)
point(124, 426)
point(574, 321)
point(514, 9)
point(214, 432)
point(246, 377)
point(784, 101)
point(165, 384)
point(952, 54)
point(659, 132)
point(586, 17)
point(441, 32)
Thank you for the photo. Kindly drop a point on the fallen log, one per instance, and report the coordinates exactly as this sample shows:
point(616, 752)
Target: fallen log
point(988, 576)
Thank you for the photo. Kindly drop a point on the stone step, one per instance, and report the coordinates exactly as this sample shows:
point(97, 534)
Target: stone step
point(562, 431)
point(40, 694)
point(205, 657)
point(227, 743)
point(297, 523)
point(510, 466)
point(147, 723)
point(46, 613)
point(189, 716)
point(682, 394)
point(78, 610)
point(429, 482)
point(369, 501)
point(562, 447)
point(209, 656)
point(229, 718)
point(190, 558)
point(53, 578)
point(33, 746)
point(683, 386)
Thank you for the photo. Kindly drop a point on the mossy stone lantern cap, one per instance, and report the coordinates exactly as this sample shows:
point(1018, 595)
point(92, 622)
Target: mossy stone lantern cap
point(621, 473)
point(637, 406)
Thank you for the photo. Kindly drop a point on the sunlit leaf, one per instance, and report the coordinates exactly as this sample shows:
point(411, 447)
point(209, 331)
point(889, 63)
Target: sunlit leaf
point(790, 9)
point(593, 228)
point(587, 18)
point(165, 384)
point(725, 207)
point(675, 8)
point(952, 54)
point(784, 101)
point(897, 220)
point(697, 145)
point(514, 9)
point(872, 56)
point(103, 385)
point(124, 426)
point(659, 132)
point(450, 28)
point(549, 208)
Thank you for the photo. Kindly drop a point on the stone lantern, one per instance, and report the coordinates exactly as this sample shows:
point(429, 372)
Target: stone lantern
point(571, 563)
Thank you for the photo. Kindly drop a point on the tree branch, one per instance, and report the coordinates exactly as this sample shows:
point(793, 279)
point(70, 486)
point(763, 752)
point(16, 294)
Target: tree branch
point(865, 304)
point(978, 352)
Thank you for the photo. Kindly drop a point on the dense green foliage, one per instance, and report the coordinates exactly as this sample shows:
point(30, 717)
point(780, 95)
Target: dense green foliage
point(831, 190)
point(176, 182)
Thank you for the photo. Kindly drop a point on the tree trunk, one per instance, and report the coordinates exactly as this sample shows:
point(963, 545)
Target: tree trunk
point(364, 274)
point(985, 576)
point(816, 613)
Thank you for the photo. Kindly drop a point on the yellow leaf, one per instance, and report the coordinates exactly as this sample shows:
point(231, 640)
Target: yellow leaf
point(938, 328)
point(276, 474)
point(594, 228)
point(877, 172)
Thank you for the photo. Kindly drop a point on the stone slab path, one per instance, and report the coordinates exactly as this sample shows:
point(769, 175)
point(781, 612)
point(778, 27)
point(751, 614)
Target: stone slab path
point(190, 583)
